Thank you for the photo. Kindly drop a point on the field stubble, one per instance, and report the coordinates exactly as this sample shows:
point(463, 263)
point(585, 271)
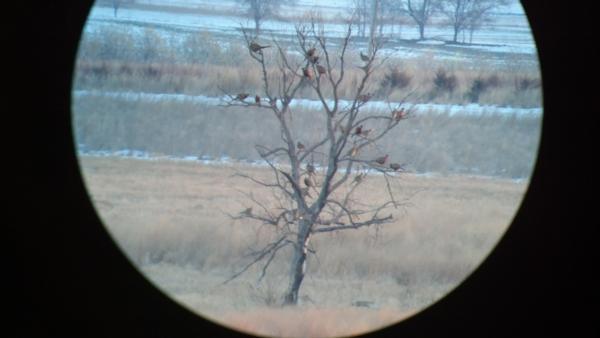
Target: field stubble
point(170, 219)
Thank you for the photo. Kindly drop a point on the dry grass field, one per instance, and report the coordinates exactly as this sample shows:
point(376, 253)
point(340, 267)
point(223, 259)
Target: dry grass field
point(487, 144)
point(170, 218)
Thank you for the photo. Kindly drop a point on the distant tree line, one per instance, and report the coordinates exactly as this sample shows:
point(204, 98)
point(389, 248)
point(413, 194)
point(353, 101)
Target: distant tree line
point(461, 15)
point(370, 16)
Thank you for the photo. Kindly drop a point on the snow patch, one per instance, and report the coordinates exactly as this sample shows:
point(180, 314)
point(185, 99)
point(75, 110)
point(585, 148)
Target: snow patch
point(450, 109)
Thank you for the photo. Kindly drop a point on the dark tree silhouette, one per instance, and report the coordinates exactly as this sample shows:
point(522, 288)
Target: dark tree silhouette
point(421, 11)
point(468, 14)
point(316, 180)
point(259, 10)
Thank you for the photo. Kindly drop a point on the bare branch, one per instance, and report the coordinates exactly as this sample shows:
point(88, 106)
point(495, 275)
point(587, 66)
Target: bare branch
point(275, 246)
point(354, 225)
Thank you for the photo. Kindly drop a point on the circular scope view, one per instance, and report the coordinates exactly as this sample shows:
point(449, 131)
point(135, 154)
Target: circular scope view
point(303, 168)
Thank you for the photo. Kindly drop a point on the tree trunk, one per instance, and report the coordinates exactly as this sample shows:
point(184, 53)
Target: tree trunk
point(257, 26)
point(298, 268)
point(374, 21)
point(455, 38)
point(421, 31)
point(116, 7)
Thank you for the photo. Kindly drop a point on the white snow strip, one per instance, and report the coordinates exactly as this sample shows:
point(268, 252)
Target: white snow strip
point(228, 162)
point(451, 109)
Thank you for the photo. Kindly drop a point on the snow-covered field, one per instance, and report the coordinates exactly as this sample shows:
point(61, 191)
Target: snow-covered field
point(451, 109)
point(502, 42)
point(508, 33)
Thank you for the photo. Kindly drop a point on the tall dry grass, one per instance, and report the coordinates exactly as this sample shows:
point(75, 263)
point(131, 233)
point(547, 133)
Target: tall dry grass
point(489, 144)
point(170, 218)
point(117, 59)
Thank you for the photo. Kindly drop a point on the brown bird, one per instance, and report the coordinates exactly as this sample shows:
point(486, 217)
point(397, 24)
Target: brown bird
point(307, 72)
point(247, 212)
point(257, 99)
point(396, 166)
point(313, 59)
point(308, 182)
point(381, 160)
point(364, 57)
point(310, 169)
point(321, 70)
point(300, 146)
point(255, 47)
point(358, 130)
point(398, 114)
point(242, 96)
point(365, 133)
point(364, 97)
point(311, 52)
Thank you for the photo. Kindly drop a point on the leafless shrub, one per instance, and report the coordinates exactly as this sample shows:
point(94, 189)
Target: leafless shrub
point(526, 83)
point(444, 82)
point(478, 86)
point(493, 81)
point(396, 78)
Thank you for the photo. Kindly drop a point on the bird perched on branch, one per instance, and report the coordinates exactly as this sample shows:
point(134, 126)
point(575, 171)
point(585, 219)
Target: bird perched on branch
point(365, 133)
point(247, 212)
point(358, 130)
point(398, 114)
point(311, 52)
point(364, 57)
point(381, 160)
point(257, 99)
point(241, 96)
point(363, 98)
point(396, 166)
point(321, 70)
point(313, 59)
point(309, 183)
point(307, 72)
point(255, 47)
point(300, 146)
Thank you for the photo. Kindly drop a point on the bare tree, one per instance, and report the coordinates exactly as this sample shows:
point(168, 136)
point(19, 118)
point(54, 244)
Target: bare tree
point(315, 181)
point(391, 14)
point(375, 21)
point(468, 14)
point(420, 11)
point(116, 4)
point(360, 15)
point(371, 14)
point(259, 10)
